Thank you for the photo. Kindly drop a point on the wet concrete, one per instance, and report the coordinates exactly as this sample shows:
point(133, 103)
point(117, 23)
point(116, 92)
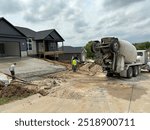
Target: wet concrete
point(29, 67)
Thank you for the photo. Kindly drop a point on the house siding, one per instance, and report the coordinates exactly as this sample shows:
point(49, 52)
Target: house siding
point(34, 50)
point(40, 46)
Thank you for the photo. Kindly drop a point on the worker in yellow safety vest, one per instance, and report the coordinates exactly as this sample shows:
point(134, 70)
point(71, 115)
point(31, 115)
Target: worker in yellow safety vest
point(74, 65)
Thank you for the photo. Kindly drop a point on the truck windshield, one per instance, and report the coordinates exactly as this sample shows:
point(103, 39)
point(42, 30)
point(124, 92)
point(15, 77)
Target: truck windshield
point(140, 53)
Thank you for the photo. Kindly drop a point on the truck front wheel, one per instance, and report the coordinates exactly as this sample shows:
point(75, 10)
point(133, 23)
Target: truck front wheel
point(129, 72)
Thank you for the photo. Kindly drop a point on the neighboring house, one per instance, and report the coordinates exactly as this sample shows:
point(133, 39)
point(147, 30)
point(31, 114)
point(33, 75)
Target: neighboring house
point(70, 52)
point(26, 42)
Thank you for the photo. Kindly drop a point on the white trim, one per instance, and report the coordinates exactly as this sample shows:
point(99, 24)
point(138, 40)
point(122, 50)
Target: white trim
point(23, 53)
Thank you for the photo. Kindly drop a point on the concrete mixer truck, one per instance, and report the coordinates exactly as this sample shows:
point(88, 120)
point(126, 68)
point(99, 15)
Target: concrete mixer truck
point(117, 57)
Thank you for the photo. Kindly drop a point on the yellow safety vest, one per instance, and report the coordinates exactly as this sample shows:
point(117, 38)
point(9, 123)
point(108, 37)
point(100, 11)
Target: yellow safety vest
point(74, 62)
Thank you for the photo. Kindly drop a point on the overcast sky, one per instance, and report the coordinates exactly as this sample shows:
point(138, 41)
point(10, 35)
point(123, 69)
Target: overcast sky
point(79, 21)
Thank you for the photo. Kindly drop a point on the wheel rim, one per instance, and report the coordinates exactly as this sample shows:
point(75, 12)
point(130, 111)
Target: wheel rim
point(116, 46)
point(130, 72)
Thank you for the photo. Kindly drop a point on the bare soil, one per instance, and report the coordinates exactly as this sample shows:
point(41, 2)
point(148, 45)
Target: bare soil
point(87, 90)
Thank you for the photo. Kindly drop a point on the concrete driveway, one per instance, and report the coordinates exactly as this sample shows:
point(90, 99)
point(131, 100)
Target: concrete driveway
point(29, 67)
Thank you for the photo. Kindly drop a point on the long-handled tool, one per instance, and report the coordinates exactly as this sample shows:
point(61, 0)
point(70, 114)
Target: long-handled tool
point(24, 81)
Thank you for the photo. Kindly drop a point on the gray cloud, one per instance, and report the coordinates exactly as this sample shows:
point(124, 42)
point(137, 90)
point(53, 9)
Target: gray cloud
point(10, 7)
point(111, 4)
point(70, 14)
point(80, 26)
point(85, 19)
point(44, 10)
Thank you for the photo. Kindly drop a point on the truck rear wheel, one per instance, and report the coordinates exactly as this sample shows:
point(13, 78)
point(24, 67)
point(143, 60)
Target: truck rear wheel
point(109, 74)
point(135, 71)
point(129, 72)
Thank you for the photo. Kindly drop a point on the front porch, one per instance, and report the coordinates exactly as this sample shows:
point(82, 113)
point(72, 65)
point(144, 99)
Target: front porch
point(49, 48)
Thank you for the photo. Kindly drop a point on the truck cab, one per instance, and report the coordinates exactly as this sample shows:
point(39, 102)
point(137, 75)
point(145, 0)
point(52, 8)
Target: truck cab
point(143, 56)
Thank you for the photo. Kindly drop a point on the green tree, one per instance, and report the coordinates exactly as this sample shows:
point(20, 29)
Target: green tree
point(142, 46)
point(90, 54)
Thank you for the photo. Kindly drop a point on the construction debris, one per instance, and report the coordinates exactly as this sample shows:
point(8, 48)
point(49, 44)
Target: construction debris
point(43, 92)
point(4, 81)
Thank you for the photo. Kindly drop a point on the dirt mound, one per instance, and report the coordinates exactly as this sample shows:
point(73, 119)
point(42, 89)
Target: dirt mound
point(15, 90)
point(92, 67)
point(86, 67)
point(96, 68)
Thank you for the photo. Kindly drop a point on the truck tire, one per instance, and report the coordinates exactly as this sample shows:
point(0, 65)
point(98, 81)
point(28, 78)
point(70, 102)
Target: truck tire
point(109, 74)
point(139, 69)
point(129, 72)
point(135, 71)
point(94, 48)
point(114, 47)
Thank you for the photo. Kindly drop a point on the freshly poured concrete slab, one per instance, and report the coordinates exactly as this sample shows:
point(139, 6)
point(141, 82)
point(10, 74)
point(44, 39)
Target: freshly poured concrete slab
point(29, 67)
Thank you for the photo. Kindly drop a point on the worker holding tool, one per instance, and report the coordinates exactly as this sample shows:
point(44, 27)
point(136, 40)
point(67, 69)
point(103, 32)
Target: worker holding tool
point(12, 70)
point(75, 61)
point(74, 65)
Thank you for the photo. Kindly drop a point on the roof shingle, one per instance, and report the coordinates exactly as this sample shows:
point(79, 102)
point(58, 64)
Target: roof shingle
point(26, 31)
point(41, 35)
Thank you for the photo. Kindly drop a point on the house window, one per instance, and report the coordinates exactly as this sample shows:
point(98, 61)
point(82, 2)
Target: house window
point(52, 47)
point(29, 46)
point(29, 42)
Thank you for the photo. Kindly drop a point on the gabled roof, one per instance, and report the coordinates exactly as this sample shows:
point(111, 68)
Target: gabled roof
point(26, 31)
point(70, 49)
point(43, 34)
point(2, 18)
point(52, 33)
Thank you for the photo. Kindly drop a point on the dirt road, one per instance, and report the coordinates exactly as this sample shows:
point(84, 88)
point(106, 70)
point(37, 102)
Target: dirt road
point(86, 91)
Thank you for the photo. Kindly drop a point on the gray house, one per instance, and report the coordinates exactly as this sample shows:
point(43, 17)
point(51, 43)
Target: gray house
point(20, 41)
point(70, 52)
point(42, 42)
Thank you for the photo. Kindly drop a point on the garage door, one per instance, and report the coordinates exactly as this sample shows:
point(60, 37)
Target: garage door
point(9, 49)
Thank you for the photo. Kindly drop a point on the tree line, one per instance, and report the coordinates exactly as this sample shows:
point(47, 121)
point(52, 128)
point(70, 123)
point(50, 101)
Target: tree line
point(142, 46)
